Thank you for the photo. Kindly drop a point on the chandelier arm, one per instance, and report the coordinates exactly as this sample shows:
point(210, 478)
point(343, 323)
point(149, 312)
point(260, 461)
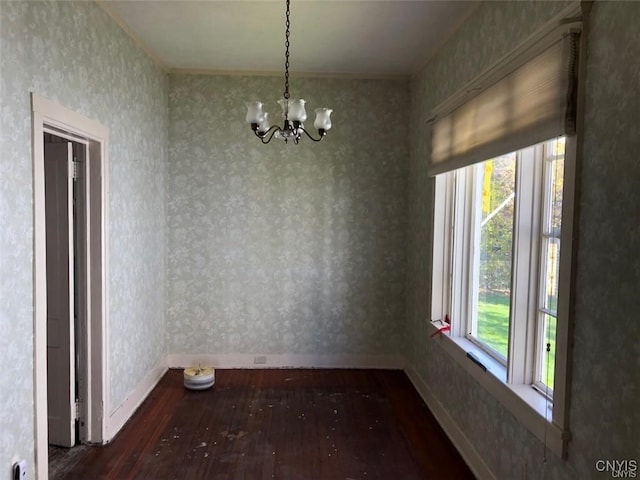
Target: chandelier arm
point(309, 135)
point(268, 135)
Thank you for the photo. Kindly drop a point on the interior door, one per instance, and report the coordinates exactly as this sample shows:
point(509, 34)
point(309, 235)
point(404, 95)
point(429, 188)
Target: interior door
point(60, 293)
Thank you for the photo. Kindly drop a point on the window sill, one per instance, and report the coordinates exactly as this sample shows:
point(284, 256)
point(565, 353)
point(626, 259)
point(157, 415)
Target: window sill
point(529, 407)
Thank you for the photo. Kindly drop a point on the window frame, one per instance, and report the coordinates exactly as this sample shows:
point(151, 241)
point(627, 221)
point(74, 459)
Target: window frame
point(512, 385)
point(545, 235)
point(527, 271)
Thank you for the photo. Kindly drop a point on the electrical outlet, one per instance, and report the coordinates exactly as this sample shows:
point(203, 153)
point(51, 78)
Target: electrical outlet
point(260, 360)
point(20, 470)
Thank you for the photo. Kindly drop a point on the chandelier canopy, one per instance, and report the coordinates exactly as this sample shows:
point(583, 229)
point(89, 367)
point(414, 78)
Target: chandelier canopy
point(292, 110)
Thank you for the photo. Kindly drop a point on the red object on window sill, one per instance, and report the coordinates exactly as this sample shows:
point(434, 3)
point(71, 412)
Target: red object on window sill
point(446, 328)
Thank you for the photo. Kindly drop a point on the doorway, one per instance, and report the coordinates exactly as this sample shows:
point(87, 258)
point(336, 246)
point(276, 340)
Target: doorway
point(70, 278)
point(65, 208)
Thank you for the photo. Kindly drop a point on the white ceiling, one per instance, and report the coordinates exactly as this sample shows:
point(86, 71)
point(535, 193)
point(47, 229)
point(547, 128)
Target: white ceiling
point(369, 38)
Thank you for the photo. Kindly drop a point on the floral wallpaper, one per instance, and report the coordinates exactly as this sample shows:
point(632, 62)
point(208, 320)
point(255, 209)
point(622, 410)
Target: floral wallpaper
point(604, 416)
point(74, 54)
point(219, 244)
point(608, 278)
point(282, 248)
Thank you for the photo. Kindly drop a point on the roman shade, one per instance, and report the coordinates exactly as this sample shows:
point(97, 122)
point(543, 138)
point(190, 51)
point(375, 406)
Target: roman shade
point(529, 98)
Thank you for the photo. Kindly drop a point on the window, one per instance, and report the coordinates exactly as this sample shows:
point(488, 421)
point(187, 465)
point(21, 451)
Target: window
point(549, 265)
point(504, 155)
point(505, 237)
point(498, 226)
point(493, 201)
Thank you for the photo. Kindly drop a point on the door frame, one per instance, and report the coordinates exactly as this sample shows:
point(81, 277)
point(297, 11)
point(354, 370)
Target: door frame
point(49, 115)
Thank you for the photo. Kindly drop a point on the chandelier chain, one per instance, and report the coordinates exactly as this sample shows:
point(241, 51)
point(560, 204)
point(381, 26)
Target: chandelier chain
point(286, 55)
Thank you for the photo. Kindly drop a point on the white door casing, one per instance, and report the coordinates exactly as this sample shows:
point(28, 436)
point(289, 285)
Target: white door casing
point(48, 116)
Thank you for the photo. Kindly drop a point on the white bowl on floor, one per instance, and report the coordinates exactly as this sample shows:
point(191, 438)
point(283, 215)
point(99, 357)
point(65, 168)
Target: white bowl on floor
point(199, 378)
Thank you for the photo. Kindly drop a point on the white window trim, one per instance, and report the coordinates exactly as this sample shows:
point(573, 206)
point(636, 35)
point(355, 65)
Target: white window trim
point(545, 419)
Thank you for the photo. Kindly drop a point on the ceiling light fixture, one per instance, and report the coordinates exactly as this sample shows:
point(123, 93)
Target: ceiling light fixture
point(292, 109)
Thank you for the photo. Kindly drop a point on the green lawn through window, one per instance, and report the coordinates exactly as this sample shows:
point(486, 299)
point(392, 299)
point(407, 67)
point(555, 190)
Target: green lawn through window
point(493, 328)
point(493, 321)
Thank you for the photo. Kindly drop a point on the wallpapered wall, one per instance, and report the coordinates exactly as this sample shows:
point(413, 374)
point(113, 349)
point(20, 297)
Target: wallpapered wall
point(301, 249)
point(605, 421)
point(279, 248)
point(74, 54)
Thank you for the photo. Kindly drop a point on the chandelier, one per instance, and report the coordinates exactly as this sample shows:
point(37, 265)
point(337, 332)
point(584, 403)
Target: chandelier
point(292, 110)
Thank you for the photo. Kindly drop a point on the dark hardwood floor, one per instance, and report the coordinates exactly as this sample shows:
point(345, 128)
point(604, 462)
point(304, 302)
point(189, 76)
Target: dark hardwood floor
point(276, 424)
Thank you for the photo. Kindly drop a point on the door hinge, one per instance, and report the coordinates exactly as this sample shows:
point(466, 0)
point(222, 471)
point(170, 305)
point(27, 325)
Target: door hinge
point(75, 171)
point(77, 410)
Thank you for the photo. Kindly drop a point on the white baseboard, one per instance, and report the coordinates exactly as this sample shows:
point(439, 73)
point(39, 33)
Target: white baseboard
point(119, 416)
point(241, 360)
point(455, 434)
